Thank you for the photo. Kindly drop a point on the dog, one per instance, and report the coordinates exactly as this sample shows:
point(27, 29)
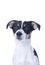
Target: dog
point(24, 53)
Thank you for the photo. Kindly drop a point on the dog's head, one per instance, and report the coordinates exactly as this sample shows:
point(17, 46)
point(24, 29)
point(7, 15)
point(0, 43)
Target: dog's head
point(22, 30)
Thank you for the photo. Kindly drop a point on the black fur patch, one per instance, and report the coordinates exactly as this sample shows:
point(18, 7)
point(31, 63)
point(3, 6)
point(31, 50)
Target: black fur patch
point(27, 27)
point(16, 26)
point(35, 53)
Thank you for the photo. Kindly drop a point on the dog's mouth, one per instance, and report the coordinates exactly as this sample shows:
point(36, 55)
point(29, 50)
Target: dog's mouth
point(19, 38)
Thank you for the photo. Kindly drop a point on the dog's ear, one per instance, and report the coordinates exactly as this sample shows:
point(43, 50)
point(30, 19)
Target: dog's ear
point(35, 25)
point(10, 24)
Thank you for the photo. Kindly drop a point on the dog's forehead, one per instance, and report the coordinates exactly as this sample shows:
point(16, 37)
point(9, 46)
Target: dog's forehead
point(22, 22)
point(26, 22)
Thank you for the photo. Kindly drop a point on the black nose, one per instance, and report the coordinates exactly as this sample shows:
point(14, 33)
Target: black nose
point(19, 34)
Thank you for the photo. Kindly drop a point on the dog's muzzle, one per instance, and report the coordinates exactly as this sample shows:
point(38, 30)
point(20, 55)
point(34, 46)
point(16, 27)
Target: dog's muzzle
point(19, 34)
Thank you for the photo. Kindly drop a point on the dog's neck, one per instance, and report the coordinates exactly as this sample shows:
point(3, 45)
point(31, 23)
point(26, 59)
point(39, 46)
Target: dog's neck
point(23, 43)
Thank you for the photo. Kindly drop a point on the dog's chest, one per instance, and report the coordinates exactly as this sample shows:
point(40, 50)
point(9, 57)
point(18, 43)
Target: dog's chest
point(23, 56)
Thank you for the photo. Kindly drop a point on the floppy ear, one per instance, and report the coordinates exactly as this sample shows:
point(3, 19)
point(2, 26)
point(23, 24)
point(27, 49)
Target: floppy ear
point(35, 25)
point(10, 24)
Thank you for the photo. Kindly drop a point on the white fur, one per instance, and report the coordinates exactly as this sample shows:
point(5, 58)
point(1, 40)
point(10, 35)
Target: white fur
point(23, 54)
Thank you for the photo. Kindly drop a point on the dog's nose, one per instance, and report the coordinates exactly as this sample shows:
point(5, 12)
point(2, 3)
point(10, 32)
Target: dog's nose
point(19, 34)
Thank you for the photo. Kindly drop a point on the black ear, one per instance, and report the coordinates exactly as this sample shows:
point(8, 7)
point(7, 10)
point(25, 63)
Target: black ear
point(35, 25)
point(10, 24)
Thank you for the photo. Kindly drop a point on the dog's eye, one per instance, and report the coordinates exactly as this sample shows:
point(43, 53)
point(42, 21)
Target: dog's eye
point(18, 25)
point(24, 25)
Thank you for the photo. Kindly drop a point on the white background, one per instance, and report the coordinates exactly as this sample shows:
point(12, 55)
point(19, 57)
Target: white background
point(21, 10)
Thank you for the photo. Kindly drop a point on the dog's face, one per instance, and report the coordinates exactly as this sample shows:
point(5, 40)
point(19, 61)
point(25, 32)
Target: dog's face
point(22, 30)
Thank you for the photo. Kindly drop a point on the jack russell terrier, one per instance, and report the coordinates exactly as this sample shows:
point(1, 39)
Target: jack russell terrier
point(24, 53)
